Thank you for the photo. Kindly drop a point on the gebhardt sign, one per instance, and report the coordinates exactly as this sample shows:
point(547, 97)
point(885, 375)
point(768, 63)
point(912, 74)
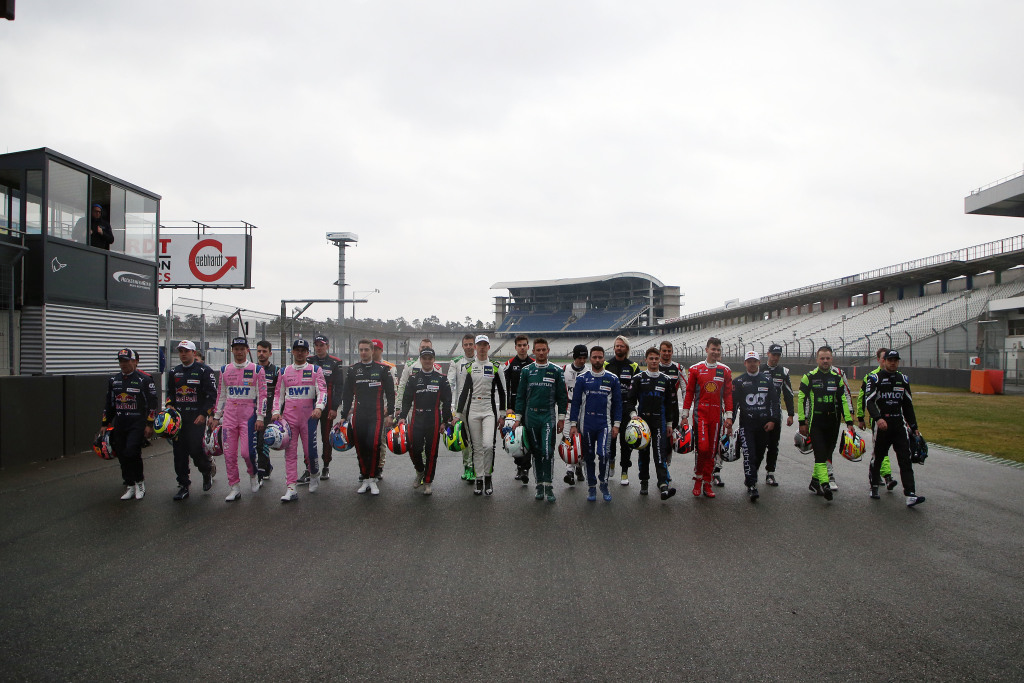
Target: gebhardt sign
point(204, 260)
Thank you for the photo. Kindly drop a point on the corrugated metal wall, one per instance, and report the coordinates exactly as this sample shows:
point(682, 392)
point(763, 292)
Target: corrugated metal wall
point(66, 340)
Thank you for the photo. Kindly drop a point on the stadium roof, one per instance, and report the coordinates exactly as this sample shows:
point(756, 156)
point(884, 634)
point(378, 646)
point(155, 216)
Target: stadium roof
point(998, 255)
point(574, 281)
point(1004, 197)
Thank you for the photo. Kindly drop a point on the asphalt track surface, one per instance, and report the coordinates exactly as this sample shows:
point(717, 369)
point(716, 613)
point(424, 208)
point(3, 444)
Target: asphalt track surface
point(454, 586)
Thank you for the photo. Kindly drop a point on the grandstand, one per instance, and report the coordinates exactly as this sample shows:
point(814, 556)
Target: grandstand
point(583, 305)
point(933, 309)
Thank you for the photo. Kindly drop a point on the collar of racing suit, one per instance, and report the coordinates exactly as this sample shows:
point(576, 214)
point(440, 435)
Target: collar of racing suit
point(240, 366)
point(299, 367)
point(711, 364)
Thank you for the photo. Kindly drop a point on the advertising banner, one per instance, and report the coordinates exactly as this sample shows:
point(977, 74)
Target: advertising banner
point(205, 261)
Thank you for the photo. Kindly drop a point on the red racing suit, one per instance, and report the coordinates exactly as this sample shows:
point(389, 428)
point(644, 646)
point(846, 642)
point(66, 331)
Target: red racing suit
point(709, 392)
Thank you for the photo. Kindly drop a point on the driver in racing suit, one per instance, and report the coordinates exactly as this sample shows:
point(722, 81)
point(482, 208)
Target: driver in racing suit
point(456, 378)
point(572, 371)
point(300, 399)
point(624, 369)
point(334, 375)
point(481, 401)
point(369, 403)
point(652, 397)
point(241, 405)
point(888, 401)
point(596, 414)
point(541, 401)
point(756, 401)
point(429, 400)
point(709, 393)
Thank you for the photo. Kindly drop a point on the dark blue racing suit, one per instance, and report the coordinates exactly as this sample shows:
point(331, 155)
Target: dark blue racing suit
point(757, 401)
point(596, 408)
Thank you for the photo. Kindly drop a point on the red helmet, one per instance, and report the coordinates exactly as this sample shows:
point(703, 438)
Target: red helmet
point(397, 440)
point(101, 446)
point(682, 439)
point(569, 449)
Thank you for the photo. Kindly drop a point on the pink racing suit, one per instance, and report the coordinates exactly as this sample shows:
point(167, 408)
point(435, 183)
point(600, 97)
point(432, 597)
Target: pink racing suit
point(241, 397)
point(301, 389)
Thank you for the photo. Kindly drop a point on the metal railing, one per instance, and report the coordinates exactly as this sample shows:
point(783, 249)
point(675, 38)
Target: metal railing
point(998, 182)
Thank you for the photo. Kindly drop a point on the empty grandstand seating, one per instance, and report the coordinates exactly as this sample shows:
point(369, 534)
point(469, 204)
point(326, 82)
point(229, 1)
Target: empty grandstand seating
point(593, 320)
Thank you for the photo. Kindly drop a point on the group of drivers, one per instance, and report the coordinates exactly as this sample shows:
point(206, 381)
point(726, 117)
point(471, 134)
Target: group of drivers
point(584, 403)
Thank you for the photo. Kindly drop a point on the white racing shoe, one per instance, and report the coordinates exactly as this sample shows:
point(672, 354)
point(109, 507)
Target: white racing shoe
point(129, 493)
point(254, 484)
point(234, 493)
point(140, 490)
point(314, 483)
point(374, 491)
point(364, 486)
point(290, 494)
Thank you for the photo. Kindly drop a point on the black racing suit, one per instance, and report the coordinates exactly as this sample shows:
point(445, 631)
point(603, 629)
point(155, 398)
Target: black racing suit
point(429, 396)
point(513, 369)
point(368, 397)
point(757, 401)
point(887, 397)
point(653, 398)
point(676, 373)
point(783, 386)
point(192, 390)
point(263, 466)
point(130, 407)
point(625, 370)
point(334, 374)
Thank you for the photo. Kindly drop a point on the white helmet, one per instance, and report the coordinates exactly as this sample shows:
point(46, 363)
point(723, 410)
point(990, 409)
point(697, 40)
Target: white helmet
point(638, 434)
point(513, 442)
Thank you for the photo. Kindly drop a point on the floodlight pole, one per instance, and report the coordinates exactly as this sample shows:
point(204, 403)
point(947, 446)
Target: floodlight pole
point(342, 240)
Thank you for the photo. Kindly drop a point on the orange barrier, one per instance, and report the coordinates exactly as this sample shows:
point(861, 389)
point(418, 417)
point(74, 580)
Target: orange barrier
point(986, 381)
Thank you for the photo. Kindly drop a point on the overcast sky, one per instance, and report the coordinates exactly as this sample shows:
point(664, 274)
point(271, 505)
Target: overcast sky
point(733, 149)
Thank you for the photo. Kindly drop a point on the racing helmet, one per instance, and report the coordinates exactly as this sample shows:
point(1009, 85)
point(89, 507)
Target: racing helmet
point(102, 446)
point(212, 444)
point(167, 423)
point(569, 449)
point(454, 440)
point(852, 446)
point(506, 424)
point(277, 435)
point(918, 449)
point(803, 443)
point(397, 440)
point(514, 442)
point(339, 438)
point(682, 439)
point(726, 450)
point(638, 434)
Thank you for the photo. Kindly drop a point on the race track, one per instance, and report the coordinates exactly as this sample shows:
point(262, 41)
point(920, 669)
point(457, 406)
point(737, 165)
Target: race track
point(403, 586)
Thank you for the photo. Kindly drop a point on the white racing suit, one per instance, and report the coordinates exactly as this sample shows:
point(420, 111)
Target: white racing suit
point(481, 399)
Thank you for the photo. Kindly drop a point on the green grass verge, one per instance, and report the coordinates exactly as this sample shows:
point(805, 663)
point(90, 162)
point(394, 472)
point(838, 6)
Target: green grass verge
point(993, 425)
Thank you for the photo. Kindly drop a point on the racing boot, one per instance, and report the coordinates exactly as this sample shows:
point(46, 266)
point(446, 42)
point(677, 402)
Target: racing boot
point(234, 493)
point(129, 494)
point(478, 490)
point(752, 492)
point(826, 490)
point(913, 499)
point(325, 474)
point(708, 490)
point(874, 492)
point(304, 479)
point(592, 494)
point(208, 480)
point(540, 492)
point(418, 479)
point(569, 478)
point(643, 487)
point(605, 493)
point(696, 487)
point(890, 483)
point(182, 493)
point(290, 494)
point(255, 483)
point(815, 486)
point(769, 479)
point(666, 492)
point(717, 477)
point(488, 486)
point(550, 492)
